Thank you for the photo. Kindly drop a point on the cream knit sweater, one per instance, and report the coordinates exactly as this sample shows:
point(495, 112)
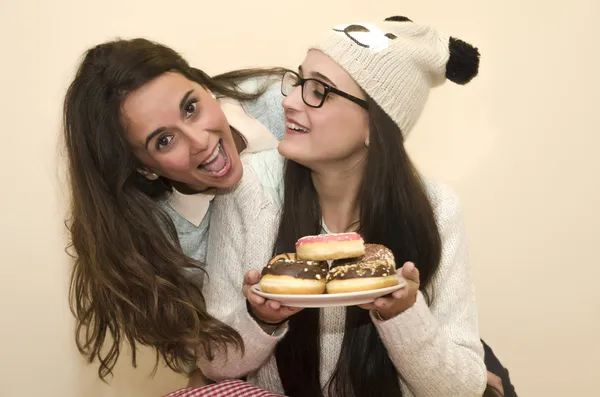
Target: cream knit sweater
point(436, 350)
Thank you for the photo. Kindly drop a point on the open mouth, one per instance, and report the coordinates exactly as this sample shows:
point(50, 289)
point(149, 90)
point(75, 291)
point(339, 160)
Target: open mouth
point(217, 164)
point(293, 127)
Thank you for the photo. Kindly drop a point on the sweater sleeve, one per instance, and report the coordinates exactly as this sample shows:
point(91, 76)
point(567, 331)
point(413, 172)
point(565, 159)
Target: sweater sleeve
point(231, 363)
point(437, 350)
point(267, 108)
point(241, 237)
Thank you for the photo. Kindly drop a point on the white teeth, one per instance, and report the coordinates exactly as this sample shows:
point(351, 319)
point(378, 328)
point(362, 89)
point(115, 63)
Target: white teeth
point(296, 127)
point(214, 154)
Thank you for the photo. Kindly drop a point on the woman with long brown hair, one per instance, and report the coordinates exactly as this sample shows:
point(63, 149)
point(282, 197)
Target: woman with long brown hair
point(349, 107)
point(148, 139)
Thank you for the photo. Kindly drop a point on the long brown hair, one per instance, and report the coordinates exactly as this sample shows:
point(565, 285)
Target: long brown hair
point(127, 283)
point(394, 211)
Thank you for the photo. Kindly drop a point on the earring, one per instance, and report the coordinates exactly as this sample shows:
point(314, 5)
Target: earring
point(151, 176)
point(367, 142)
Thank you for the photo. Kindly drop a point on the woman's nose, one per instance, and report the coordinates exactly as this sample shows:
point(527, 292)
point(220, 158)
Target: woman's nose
point(294, 99)
point(199, 140)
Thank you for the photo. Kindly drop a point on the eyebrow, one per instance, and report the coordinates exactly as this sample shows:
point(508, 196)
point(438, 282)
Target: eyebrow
point(159, 130)
point(320, 76)
point(154, 133)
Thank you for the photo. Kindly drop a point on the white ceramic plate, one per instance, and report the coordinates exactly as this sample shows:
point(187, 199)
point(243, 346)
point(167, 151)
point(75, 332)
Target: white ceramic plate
point(330, 300)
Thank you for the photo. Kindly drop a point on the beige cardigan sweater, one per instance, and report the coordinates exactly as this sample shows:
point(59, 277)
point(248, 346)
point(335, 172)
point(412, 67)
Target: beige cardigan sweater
point(436, 350)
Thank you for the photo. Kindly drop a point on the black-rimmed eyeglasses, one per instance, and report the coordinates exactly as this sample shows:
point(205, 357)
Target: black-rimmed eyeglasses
point(314, 92)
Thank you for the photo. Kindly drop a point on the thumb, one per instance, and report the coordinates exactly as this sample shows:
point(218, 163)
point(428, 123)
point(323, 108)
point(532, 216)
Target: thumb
point(252, 277)
point(410, 272)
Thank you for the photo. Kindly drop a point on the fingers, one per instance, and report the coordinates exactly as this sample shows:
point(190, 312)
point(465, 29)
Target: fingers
point(253, 298)
point(495, 381)
point(399, 294)
point(368, 306)
point(288, 311)
point(273, 305)
point(383, 303)
point(272, 311)
point(251, 278)
point(268, 310)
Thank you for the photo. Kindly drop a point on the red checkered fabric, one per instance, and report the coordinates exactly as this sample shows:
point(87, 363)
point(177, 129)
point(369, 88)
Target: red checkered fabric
point(228, 388)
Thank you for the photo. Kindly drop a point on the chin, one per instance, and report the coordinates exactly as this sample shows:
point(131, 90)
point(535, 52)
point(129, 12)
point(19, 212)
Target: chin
point(294, 153)
point(232, 178)
point(235, 175)
point(287, 150)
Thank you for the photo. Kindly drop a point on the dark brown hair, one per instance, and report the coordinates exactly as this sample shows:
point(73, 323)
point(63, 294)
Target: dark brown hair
point(394, 211)
point(128, 283)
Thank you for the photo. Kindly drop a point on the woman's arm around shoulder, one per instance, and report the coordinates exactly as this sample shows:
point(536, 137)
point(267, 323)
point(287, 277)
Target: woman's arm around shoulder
point(241, 236)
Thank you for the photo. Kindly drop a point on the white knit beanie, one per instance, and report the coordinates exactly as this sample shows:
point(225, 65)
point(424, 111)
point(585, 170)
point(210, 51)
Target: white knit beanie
point(396, 62)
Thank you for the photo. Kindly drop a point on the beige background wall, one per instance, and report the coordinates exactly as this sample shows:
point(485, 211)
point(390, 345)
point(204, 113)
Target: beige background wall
point(520, 144)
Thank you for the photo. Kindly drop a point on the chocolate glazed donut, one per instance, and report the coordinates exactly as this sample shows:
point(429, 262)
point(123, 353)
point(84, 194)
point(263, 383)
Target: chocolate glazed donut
point(375, 269)
point(285, 274)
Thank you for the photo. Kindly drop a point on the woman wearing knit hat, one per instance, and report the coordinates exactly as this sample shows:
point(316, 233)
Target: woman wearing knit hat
point(353, 101)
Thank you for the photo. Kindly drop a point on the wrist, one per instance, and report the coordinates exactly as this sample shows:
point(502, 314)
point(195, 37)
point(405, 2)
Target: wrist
point(382, 316)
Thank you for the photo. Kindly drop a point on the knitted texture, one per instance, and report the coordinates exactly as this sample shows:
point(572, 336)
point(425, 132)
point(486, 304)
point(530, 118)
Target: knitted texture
point(395, 62)
point(436, 349)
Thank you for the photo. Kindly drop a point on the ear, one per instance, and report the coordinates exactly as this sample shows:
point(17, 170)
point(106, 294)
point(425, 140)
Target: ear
point(397, 19)
point(151, 176)
point(463, 64)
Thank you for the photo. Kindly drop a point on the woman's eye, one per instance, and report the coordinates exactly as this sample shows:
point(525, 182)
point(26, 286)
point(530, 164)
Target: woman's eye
point(163, 141)
point(190, 108)
point(318, 94)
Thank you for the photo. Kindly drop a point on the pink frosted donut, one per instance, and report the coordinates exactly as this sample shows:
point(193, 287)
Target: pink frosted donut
point(330, 246)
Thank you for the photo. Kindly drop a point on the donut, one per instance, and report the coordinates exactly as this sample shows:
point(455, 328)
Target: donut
point(330, 246)
point(374, 270)
point(285, 274)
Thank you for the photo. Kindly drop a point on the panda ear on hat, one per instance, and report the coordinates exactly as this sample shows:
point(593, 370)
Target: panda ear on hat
point(463, 64)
